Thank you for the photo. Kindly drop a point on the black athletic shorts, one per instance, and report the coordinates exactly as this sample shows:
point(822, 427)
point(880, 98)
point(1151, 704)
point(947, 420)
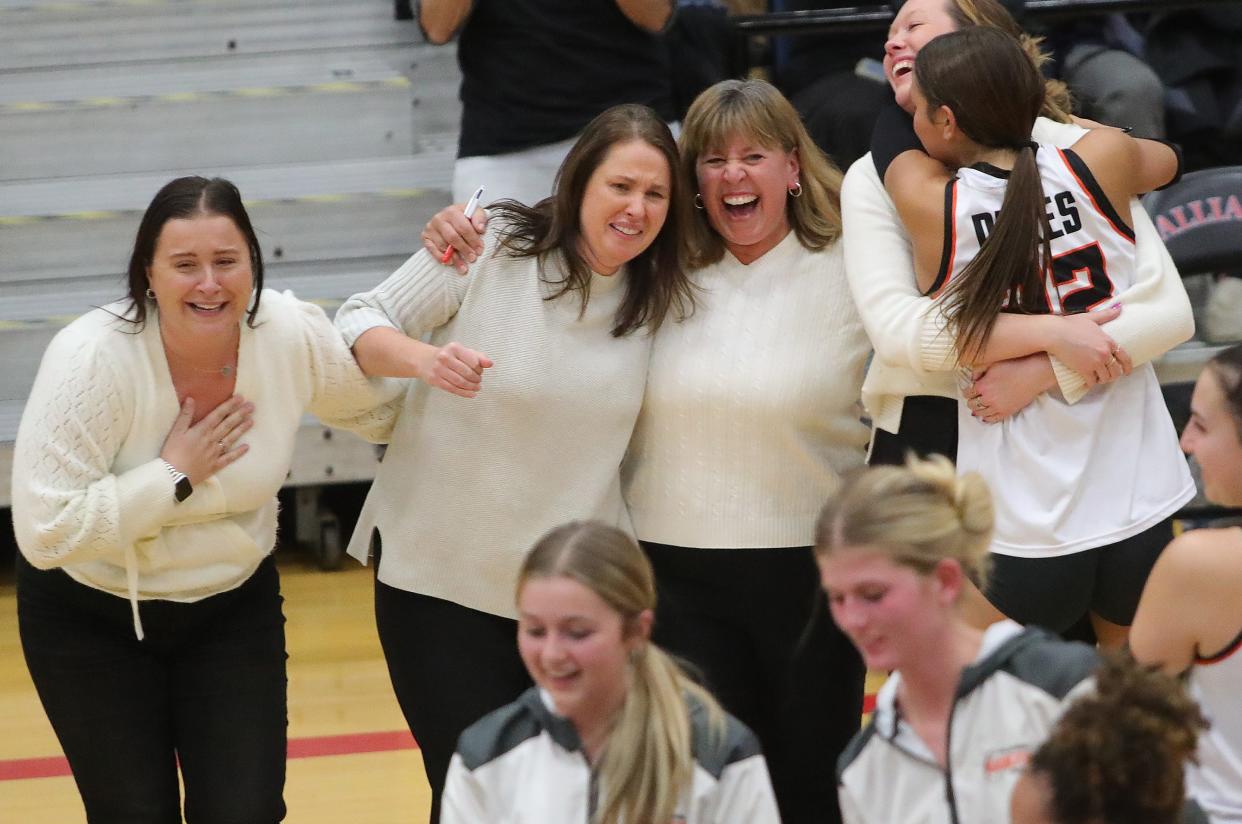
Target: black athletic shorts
point(1055, 593)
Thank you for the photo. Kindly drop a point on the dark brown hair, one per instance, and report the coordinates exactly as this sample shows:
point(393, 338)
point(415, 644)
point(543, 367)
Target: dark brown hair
point(181, 199)
point(990, 13)
point(1227, 367)
point(755, 109)
point(1117, 756)
point(655, 281)
point(994, 91)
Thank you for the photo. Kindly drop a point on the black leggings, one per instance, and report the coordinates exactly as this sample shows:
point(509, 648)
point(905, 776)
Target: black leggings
point(206, 688)
point(755, 622)
point(450, 665)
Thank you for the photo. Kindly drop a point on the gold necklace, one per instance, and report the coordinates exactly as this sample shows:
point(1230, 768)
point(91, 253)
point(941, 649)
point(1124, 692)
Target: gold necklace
point(226, 371)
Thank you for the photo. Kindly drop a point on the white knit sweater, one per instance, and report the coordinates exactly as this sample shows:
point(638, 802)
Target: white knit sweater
point(751, 413)
point(914, 354)
point(469, 484)
point(90, 494)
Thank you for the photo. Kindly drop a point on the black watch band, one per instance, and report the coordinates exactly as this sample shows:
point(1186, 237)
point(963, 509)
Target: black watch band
point(182, 488)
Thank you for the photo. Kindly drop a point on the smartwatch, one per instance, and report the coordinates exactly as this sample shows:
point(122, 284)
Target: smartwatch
point(182, 488)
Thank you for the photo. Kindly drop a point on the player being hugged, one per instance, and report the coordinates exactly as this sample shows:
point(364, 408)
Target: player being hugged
point(1084, 492)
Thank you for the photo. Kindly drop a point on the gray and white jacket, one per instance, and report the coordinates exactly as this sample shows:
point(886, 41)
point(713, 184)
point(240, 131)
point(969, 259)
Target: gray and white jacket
point(1006, 704)
point(524, 764)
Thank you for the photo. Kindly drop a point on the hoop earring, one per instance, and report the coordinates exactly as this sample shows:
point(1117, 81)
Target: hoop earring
point(796, 191)
point(150, 293)
point(698, 201)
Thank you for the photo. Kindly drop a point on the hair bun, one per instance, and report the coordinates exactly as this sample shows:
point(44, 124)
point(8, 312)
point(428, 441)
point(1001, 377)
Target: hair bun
point(973, 501)
point(968, 494)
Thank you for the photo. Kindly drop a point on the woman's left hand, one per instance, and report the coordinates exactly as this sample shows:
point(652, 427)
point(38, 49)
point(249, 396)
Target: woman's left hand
point(1007, 387)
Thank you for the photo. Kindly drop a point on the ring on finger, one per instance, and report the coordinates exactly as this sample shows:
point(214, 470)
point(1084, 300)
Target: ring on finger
point(222, 446)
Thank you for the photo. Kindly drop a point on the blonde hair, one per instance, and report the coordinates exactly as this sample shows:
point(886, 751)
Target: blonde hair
point(918, 515)
point(1058, 105)
point(756, 110)
point(649, 761)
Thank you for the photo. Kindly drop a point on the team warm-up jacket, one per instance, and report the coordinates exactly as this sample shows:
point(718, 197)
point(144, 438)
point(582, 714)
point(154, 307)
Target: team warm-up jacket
point(1006, 703)
point(523, 764)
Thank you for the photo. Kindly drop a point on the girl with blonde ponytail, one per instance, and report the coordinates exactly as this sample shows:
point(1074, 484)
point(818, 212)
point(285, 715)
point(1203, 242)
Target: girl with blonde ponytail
point(963, 707)
point(613, 732)
point(1003, 226)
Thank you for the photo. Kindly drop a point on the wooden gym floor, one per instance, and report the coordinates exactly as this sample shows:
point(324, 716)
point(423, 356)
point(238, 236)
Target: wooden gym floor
point(351, 757)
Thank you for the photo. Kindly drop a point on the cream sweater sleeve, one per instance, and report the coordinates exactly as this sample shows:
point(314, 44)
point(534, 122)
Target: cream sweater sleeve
point(905, 328)
point(68, 506)
point(420, 296)
point(341, 395)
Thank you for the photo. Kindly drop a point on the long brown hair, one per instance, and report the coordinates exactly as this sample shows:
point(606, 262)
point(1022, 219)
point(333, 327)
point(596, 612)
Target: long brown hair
point(994, 91)
point(655, 282)
point(990, 13)
point(648, 762)
point(757, 110)
point(1227, 367)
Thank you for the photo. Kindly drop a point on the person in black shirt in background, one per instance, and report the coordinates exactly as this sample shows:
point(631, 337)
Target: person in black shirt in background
point(535, 72)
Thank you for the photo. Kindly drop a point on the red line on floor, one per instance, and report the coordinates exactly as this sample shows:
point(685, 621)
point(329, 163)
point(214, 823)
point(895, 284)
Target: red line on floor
point(18, 769)
point(351, 744)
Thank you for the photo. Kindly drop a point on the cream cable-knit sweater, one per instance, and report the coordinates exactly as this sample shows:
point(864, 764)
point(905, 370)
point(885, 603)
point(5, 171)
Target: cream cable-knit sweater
point(90, 493)
point(751, 412)
point(914, 354)
point(469, 484)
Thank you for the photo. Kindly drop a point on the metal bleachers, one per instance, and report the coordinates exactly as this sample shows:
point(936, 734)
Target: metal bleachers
point(337, 122)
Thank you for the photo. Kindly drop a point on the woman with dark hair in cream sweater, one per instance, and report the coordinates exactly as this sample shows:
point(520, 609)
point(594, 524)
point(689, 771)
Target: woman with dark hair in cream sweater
point(749, 419)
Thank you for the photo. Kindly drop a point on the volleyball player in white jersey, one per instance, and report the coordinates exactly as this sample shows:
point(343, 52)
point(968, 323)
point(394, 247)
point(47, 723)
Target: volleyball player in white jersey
point(1084, 492)
point(1190, 618)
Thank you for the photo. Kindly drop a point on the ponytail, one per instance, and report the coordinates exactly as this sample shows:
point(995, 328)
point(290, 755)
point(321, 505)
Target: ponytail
point(1009, 269)
point(649, 761)
point(995, 92)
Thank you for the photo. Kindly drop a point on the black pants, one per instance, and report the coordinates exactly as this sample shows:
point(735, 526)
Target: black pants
point(756, 623)
point(206, 688)
point(928, 426)
point(450, 665)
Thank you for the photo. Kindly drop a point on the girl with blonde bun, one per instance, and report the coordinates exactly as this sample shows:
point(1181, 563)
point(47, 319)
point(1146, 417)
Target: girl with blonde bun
point(963, 708)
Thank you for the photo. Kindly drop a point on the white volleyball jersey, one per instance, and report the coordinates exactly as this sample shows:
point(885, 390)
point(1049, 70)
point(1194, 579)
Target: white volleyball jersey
point(1067, 478)
point(1216, 782)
